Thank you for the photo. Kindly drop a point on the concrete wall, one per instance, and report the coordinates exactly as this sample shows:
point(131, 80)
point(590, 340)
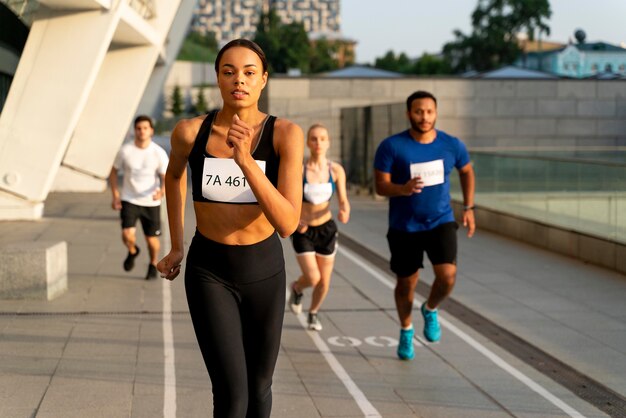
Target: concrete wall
point(81, 76)
point(483, 113)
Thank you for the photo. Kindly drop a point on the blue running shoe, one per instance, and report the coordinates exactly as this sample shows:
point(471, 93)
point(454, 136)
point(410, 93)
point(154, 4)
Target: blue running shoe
point(432, 330)
point(405, 347)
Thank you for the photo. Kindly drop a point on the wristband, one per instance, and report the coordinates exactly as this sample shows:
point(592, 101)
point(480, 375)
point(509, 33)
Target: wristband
point(466, 208)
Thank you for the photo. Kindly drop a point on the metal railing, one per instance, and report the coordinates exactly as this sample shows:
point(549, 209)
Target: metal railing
point(578, 194)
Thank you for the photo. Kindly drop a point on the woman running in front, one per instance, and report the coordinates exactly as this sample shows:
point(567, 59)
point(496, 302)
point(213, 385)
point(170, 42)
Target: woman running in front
point(245, 175)
point(315, 240)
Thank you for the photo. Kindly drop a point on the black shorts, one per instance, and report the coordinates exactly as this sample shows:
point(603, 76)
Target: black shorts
point(321, 240)
point(407, 248)
point(150, 217)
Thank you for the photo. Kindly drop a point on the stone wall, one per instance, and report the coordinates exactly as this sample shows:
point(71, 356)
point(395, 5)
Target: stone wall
point(483, 113)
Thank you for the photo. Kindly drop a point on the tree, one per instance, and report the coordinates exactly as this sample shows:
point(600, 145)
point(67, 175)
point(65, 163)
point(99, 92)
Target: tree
point(391, 62)
point(199, 47)
point(178, 106)
point(286, 46)
point(323, 55)
point(431, 64)
point(495, 26)
point(201, 105)
point(267, 36)
point(295, 47)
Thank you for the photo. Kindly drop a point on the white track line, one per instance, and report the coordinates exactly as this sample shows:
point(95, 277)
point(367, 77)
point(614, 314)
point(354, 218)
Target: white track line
point(474, 344)
point(359, 397)
point(169, 367)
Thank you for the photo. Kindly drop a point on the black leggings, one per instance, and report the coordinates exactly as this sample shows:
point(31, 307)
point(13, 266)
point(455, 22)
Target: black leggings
point(236, 297)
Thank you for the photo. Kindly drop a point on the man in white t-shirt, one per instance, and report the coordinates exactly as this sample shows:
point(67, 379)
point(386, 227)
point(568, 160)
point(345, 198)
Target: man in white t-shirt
point(142, 164)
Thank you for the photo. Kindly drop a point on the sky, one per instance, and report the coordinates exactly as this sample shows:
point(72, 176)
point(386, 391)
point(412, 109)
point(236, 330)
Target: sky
point(418, 26)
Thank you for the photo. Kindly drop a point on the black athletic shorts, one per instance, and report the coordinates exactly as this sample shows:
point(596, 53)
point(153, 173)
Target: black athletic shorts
point(407, 248)
point(321, 239)
point(150, 217)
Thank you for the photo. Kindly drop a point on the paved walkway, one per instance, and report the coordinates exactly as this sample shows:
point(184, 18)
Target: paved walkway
point(115, 345)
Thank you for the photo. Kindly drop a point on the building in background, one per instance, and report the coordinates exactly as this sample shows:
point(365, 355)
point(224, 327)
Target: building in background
point(578, 59)
point(231, 19)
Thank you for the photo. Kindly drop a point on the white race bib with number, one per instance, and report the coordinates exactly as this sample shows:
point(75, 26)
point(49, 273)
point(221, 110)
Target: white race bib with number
point(223, 181)
point(430, 172)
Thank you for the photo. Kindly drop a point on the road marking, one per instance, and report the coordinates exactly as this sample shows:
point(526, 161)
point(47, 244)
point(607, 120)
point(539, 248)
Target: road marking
point(391, 342)
point(536, 387)
point(352, 342)
point(359, 397)
point(169, 367)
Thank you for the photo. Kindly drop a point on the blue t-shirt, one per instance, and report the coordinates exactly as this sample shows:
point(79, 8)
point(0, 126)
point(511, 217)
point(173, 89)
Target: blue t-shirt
point(430, 208)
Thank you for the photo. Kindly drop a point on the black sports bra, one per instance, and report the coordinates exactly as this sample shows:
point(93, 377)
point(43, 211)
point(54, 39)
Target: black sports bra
point(264, 151)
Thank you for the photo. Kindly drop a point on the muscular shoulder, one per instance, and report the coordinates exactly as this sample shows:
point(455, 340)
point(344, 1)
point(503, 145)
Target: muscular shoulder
point(186, 130)
point(287, 134)
point(337, 170)
point(284, 128)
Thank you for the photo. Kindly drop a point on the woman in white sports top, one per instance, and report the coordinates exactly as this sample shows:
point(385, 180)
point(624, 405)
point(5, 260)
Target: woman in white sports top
point(315, 240)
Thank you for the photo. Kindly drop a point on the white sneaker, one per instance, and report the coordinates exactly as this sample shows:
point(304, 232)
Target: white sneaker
point(314, 322)
point(295, 300)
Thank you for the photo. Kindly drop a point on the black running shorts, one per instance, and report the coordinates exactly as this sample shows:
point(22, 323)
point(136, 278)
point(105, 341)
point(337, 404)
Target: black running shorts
point(321, 239)
point(150, 217)
point(407, 248)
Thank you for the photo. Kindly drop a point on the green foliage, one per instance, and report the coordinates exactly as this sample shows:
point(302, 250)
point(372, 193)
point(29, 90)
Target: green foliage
point(178, 106)
point(493, 41)
point(201, 106)
point(198, 47)
point(391, 62)
point(286, 46)
point(296, 47)
point(431, 64)
point(323, 56)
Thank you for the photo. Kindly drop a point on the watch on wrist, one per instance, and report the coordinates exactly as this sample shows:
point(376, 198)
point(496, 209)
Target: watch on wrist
point(466, 208)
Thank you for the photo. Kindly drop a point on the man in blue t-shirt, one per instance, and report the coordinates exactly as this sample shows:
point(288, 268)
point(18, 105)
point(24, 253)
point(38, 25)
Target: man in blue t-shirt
point(413, 169)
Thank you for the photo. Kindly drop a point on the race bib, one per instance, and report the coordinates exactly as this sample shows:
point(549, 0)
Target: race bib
point(223, 181)
point(432, 172)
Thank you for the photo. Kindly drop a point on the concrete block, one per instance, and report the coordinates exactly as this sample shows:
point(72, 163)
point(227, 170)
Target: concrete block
point(495, 89)
point(369, 88)
point(330, 88)
point(402, 88)
point(461, 128)
point(576, 127)
point(516, 107)
point(596, 108)
point(620, 257)
point(536, 127)
point(597, 251)
point(548, 107)
point(537, 89)
point(475, 107)
point(612, 127)
point(289, 87)
point(495, 127)
point(534, 233)
point(36, 270)
point(577, 89)
point(563, 242)
point(620, 108)
point(611, 89)
point(451, 88)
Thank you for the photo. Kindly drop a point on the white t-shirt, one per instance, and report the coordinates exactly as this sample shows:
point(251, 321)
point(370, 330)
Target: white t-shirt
point(141, 168)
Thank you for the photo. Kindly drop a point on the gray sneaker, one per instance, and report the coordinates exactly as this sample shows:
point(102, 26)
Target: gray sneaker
point(295, 300)
point(314, 322)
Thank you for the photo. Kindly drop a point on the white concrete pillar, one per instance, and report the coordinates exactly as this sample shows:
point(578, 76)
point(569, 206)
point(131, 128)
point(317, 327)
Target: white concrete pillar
point(114, 98)
point(79, 81)
point(55, 74)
